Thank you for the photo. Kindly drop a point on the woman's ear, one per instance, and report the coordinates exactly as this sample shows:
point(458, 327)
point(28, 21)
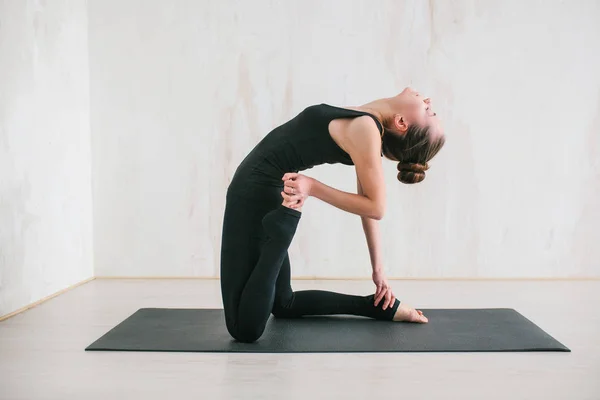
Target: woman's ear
point(400, 124)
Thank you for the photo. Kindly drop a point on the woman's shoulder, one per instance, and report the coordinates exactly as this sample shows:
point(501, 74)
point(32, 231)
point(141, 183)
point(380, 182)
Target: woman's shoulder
point(361, 136)
point(364, 127)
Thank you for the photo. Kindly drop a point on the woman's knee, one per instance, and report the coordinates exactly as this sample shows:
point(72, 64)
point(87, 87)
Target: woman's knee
point(246, 333)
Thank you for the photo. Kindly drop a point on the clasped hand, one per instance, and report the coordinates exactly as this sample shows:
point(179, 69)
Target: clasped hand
point(296, 189)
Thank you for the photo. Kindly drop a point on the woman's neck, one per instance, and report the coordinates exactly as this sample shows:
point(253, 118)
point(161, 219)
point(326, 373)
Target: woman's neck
point(381, 108)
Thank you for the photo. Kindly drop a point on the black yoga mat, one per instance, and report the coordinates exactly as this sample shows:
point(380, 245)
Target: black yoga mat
point(448, 330)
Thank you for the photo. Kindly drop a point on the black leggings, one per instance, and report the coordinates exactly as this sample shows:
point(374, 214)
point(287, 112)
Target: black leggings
point(255, 271)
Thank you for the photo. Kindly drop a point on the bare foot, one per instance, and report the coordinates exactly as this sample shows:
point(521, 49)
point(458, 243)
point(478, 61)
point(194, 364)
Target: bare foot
point(290, 204)
point(408, 314)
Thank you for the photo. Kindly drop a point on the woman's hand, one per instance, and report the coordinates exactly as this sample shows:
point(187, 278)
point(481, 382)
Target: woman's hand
point(296, 188)
point(384, 291)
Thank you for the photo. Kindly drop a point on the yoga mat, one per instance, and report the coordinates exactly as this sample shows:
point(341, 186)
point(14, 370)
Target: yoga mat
point(448, 330)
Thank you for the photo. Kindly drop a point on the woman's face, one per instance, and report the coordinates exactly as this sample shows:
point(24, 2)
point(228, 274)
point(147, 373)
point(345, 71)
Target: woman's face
point(412, 108)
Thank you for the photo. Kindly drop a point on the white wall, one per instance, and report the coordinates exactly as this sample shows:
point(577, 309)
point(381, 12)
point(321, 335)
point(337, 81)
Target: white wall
point(45, 177)
point(181, 90)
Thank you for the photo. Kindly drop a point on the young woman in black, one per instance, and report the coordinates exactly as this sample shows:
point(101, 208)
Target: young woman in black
point(265, 198)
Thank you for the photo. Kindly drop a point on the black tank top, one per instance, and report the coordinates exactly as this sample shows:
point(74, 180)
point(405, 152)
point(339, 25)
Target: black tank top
point(297, 145)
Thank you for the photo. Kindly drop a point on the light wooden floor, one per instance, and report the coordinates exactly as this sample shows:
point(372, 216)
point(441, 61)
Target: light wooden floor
point(42, 356)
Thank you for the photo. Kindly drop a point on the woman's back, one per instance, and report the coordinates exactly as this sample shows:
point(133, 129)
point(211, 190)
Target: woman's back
point(297, 145)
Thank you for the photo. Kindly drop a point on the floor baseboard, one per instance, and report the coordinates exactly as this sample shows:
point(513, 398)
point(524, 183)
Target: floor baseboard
point(303, 278)
point(37, 303)
point(341, 278)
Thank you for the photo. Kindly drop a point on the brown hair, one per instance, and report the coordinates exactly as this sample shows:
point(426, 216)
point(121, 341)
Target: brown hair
point(412, 150)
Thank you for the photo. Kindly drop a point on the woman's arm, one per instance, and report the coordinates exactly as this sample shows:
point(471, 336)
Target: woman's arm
point(372, 234)
point(364, 146)
point(363, 143)
point(350, 202)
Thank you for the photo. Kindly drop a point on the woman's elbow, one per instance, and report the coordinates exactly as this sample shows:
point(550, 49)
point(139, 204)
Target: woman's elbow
point(373, 209)
point(378, 212)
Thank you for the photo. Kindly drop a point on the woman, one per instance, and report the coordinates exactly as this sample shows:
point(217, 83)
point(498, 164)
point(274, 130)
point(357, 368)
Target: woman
point(265, 198)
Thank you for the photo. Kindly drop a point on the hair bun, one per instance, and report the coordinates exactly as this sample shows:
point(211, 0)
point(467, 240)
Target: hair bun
point(411, 172)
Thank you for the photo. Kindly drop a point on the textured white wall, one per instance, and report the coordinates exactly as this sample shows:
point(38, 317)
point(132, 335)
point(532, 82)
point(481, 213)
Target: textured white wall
point(45, 176)
point(182, 90)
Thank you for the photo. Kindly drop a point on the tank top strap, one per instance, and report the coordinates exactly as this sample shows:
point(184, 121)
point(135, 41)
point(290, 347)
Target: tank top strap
point(350, 112)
